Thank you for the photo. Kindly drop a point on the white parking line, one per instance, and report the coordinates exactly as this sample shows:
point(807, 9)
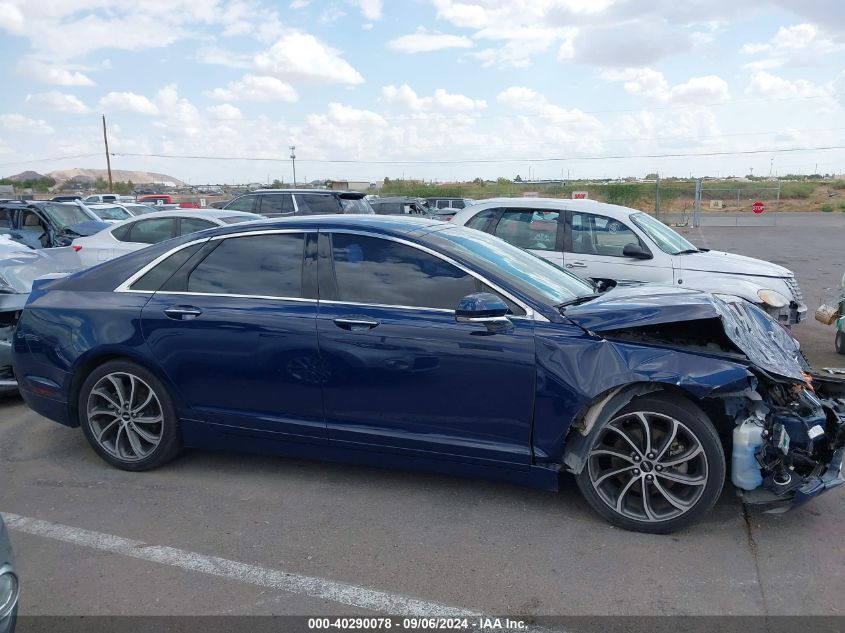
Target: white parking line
point(342, 593)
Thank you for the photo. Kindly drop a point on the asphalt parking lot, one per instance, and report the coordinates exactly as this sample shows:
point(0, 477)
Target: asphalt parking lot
point(311, 538)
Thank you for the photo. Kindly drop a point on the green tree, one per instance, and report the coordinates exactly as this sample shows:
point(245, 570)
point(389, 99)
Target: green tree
point(518, 178)
point(101, 185)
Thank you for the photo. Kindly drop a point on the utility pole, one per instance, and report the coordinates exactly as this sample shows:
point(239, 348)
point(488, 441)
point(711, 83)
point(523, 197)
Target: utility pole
point(293, 162)
point(108, 158)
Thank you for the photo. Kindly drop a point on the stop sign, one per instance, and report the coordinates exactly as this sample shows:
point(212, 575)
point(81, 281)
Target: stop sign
point(758, 207)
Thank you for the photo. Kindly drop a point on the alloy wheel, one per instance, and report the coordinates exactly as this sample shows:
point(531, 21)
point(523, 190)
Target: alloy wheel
point(125, 416)
point(648, 467)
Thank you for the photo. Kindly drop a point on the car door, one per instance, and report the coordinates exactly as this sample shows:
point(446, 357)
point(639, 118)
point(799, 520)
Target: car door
point(401, 374)
point(594, 244)
point(235, 332)
point(538, 230)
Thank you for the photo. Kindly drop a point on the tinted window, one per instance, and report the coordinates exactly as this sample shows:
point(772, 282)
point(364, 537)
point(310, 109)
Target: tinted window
point(192, 225)
point(260, 265)
point(389, 208)
point(372, 270)
point(276, 204)
point(317, 203)
point(529, 229)
point(121, 233)
point(244, 203)
point(458, 204)
point(156, 276)
point(152, 231)
point(480, 220)
point(599, 235)
point(356, 205)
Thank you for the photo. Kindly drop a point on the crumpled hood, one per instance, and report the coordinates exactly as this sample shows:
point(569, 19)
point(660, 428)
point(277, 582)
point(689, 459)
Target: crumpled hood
point(722, 262)
point(765, 342)
point(20, 266)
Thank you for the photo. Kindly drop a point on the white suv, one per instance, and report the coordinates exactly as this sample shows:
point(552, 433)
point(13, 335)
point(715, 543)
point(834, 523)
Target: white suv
point(612, 243)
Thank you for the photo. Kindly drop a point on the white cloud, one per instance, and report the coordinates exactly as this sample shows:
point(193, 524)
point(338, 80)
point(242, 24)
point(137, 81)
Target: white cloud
point(770, 86)
point(128, 102)
point(796, 44)
point(52, 74)
point(422, 41)
point(23, 124)
point(58, 102)
point(371, 9)
point(225, 112)
point(652, 84)
point(217, 56)
point(300, 57)
point(440, 101)
point(255, 88)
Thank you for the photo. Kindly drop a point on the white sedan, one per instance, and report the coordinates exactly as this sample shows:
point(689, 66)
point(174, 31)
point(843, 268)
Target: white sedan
point(139, 232)
point(117, 211)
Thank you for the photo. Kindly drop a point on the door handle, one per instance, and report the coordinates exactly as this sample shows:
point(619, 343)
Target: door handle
point(576, 265)
point(354, 324)
point(183, 313)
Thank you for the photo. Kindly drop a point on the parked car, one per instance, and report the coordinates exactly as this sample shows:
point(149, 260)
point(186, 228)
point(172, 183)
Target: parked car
point(473, 357)
point(449, 203)
point(131, 235)
point(71, 198)
point(399, 205)
point(116, 212)
point(610, 243)
point(9, 583)
point(274, 203)
point(107, 197)
point(47, 224)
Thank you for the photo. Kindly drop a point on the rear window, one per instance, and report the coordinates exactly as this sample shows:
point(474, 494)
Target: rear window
point(356, 205)
point(235, 219)
point(317, 203)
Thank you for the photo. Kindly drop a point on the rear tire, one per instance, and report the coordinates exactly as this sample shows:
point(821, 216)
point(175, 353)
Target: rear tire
point(128, 417)
point(656, 467)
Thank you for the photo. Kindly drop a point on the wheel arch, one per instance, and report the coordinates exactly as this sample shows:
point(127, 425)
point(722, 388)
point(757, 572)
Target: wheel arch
point(603, 407)
point(88, 363)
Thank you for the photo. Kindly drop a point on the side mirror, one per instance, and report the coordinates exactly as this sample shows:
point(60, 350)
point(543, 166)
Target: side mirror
point(636, 251)
point(484, 308)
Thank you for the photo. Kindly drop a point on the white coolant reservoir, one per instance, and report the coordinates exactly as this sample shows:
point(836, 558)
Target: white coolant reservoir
point(745, 471)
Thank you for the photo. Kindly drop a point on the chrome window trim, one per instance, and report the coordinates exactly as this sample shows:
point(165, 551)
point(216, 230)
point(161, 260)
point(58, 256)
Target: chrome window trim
point(223, 294)
point(530, 313)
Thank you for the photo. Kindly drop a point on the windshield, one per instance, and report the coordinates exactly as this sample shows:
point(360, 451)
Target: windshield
point(111, 213)
point(356, 205)
point(525, 272)
point(65, 215)
point(666, 239)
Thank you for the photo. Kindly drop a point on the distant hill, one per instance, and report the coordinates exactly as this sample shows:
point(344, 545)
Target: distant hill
point(27, 175)
point(118, 175)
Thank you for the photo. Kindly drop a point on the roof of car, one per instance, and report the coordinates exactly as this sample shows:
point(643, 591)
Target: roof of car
point(206, 214)
point(613, 210)
point(389, 224)
point(395, 199)
point(332, 192)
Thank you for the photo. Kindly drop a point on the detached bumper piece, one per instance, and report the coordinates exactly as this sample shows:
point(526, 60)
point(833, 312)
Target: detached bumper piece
point(803, 453)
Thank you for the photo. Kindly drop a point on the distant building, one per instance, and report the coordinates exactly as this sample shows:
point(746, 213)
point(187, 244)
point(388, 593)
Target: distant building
point(7, 191)
point(350, 185)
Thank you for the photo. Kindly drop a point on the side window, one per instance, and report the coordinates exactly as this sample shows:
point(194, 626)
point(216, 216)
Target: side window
point(479, 220)
point(192, 225)
point(31, 222)
point(531, 228)
point(259, 265)
point(373, 270)
point(442, 204)
point(155, 277)
point(5, 219)
point(317, 203)
point(152, 231)
point(121, 233)
point(276, 204)
point(600, 235)
point(244, 203)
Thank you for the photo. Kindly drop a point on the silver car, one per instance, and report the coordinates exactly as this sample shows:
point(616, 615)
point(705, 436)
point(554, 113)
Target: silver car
point(9, 584)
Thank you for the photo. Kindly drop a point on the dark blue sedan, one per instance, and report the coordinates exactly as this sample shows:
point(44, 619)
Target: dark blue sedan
point(412, 343)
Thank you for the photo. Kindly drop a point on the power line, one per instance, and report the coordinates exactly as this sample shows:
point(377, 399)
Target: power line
point(494, 160)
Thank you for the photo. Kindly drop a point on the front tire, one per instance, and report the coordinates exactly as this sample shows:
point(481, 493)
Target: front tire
point(656, 467)
point(128, 417)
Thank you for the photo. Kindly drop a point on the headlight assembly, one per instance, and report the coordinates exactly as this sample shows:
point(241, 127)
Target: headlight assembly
point(9, 590)
point(772, 298)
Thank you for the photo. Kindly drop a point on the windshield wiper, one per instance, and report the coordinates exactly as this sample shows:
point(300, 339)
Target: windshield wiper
point(576, 301)
point(687, 251)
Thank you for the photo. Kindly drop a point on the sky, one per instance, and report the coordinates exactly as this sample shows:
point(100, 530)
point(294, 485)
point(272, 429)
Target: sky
point(215, 91)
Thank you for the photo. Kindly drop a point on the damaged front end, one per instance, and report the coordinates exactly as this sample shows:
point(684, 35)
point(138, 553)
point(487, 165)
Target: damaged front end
point(787, 427)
